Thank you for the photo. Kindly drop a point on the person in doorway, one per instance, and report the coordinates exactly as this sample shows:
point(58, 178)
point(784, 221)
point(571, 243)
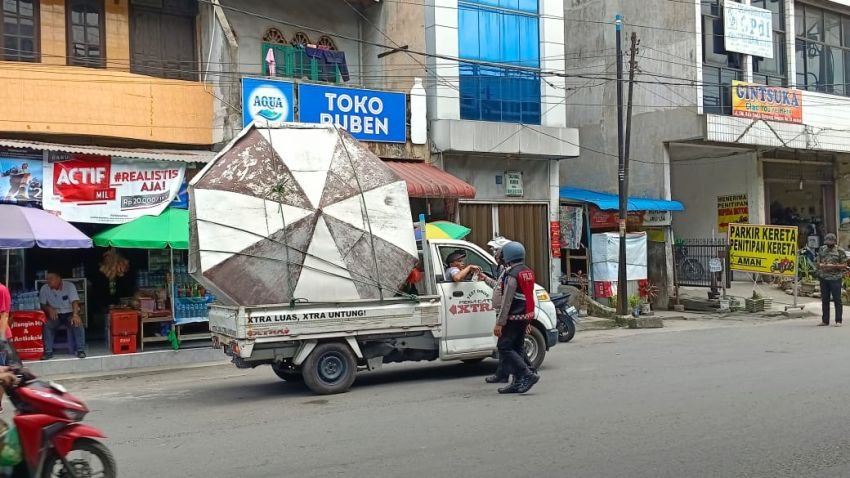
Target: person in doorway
point(514, 317)
point(456, 268)
point(61, 303)
point(500, 376)
point(832, 265)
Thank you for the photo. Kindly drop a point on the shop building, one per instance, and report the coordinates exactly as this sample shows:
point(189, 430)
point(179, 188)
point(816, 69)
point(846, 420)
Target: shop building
point(329, 71)
point(738, 126)
point(105, 114)
point(497, 122)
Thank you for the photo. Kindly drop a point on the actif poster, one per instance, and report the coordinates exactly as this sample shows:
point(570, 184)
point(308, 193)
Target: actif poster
point(109, 190)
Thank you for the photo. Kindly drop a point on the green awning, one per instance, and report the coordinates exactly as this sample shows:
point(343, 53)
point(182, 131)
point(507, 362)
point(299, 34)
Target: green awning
point(169, 229)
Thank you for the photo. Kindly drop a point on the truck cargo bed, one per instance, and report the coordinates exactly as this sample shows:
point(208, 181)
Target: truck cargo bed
point(279, 322)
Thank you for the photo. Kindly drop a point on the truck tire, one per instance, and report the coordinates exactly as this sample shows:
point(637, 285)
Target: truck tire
point(330, 369)
point(288, 374)
point(535, 347)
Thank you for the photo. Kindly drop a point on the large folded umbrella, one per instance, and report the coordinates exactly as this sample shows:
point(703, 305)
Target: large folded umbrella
point(169, 229)
point(25, 227)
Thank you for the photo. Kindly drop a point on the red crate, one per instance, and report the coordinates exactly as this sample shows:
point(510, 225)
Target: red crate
point(123, 344)
point(124, 322)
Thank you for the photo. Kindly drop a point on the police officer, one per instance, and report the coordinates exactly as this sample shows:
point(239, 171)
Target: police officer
point(832, 264)
point(514, 317)
point(501, 376)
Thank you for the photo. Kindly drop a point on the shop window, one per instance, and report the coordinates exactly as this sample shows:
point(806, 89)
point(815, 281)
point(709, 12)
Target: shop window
point(162, 41)
point(720, 67)
point(273, 35)
point(19, 30)
point(772, 71)
point(86, 33)
point(503, 32)
point(822, 50)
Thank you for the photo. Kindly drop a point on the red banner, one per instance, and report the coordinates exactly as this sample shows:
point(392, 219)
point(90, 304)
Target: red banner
point(27, 338)
point(609, 219)
point(555, 237)
point(83, 179)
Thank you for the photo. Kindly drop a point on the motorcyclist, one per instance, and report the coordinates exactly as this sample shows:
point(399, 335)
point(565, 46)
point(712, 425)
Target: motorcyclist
point(500, 376)
point(515, 315)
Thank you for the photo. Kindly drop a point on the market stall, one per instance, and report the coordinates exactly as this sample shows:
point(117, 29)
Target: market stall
point(168, 300)
point(25, 228)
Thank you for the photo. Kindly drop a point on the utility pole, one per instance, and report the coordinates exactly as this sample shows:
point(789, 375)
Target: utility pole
point(624, 139)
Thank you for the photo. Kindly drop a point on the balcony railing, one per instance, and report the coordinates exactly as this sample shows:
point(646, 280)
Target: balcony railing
point(294, 62)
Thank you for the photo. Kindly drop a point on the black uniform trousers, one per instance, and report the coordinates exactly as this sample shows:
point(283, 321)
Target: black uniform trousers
point(511, 346)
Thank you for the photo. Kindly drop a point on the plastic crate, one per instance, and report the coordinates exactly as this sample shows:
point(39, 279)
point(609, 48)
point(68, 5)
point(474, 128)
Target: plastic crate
point(123, 344)
point(123, 322)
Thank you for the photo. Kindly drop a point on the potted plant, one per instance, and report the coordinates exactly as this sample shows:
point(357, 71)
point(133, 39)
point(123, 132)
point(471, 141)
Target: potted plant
point(807, 278)
point(634, 304)
point(648, 293)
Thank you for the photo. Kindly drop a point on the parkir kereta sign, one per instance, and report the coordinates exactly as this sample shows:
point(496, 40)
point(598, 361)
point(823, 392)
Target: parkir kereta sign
point(763, 249)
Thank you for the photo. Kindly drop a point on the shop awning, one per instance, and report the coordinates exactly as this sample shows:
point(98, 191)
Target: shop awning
point(611, 201)
point(427, 181)
point(183, 155)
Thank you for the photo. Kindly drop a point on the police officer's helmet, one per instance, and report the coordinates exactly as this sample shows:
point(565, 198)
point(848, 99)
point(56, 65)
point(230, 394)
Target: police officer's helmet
point(513, 253)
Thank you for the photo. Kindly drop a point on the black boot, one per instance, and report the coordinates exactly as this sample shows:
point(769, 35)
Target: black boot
point(497, 379)
point(513, 387)
point(525, 383)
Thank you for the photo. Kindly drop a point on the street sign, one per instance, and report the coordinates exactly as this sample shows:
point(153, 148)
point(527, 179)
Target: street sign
point(763, 249)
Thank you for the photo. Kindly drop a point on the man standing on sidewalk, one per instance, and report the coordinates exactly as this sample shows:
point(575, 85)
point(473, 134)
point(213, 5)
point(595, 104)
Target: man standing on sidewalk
point(832, 264)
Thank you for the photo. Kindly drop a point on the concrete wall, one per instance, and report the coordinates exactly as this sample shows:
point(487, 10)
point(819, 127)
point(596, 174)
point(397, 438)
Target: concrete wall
point(481, 173)
point(662, 112)
point(402, 24)
point(698, 182)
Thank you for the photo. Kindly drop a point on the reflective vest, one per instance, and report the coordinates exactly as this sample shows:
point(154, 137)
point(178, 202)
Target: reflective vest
point(522, 304)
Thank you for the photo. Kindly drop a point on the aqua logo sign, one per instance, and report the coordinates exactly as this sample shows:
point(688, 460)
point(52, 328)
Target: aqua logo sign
point(266, 101)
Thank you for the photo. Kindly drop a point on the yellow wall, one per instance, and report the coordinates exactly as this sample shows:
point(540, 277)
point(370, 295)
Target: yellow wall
point(53, 98)
point(49, 99)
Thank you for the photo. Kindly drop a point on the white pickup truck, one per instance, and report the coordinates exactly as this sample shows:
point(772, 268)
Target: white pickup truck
point(326, 344)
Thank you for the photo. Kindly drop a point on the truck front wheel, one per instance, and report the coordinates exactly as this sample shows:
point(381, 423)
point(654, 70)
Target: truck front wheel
point(330, 369)
point(535, 347)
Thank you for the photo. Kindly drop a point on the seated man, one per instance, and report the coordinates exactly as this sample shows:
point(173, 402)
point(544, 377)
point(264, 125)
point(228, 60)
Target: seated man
point(60, 302)
point(456, 268)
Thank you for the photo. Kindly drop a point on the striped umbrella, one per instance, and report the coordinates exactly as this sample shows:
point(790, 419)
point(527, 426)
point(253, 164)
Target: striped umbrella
point(443, 230)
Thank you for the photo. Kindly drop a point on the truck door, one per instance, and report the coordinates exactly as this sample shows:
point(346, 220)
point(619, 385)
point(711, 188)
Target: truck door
point(469, 312)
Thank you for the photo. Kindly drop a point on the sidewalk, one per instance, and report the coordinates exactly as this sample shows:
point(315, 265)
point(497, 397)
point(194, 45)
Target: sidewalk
point(743, 290)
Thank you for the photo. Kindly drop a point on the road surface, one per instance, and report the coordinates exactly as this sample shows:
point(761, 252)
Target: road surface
point(766, 400)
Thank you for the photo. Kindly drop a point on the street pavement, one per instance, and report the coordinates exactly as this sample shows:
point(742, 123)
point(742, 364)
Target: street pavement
point(696, 399)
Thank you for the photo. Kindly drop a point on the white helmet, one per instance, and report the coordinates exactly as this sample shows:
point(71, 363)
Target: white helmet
point(498, 243)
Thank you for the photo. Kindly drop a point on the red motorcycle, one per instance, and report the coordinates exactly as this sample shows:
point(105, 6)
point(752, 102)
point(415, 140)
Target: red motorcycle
point(54, 442)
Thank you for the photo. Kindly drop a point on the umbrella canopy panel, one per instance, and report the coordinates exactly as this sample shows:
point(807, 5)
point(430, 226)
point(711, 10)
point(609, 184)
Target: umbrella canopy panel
point(299, 212)
point(169, 229)
point(25, 227)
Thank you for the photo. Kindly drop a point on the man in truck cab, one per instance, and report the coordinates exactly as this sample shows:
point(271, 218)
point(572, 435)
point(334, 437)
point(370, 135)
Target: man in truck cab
point(514, 317)
point(456, 268)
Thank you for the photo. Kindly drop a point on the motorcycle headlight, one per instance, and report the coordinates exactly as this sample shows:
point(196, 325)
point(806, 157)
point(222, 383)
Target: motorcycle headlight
point(543, 296)
point(74, 415)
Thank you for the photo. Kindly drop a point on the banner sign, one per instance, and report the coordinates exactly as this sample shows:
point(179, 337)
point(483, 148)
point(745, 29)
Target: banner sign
point(555, 238)
point(270, 101)
point(369, 115)
point(748, 30)
point(773, 103)
point(763, 249)
point(21, 176)
point(104, 190)
point(732, 208)
point(600, 219)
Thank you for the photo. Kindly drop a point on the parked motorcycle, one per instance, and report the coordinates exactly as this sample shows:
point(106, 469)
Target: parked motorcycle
point(53, 441)
point(568, 317)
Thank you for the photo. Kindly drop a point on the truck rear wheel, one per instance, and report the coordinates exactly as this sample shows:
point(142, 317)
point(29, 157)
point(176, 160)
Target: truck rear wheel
point(535, 347)
point(330, 369)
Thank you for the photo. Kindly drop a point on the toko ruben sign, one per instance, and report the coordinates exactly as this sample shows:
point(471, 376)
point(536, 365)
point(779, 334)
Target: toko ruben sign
point(368, 115)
